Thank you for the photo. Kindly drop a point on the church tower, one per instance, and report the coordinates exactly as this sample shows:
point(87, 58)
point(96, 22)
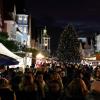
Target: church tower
point(45, 41)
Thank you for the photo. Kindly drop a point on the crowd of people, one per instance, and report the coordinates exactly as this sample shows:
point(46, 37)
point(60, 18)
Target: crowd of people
point(51, 82)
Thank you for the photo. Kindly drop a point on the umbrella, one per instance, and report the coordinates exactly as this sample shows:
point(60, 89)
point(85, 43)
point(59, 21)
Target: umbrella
point(6, 60)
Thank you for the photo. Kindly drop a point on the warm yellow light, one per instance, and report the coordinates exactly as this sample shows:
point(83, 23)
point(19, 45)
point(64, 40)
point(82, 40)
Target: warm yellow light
point(45, 44)
point(39, 56)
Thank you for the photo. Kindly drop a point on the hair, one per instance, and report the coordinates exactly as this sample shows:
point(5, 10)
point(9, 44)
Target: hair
point(54, 82)
point(77, 73)
point(4, 82)
point(39, 73)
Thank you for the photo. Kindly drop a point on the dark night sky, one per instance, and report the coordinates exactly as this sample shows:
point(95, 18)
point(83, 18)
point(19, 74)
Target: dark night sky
point(85, 13)
point(65, 9)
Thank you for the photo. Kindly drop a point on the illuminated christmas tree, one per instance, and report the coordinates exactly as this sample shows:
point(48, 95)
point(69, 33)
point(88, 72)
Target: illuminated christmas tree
point(69, 46)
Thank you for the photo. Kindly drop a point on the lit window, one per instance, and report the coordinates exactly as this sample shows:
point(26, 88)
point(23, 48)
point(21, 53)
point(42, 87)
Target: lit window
point(20, 17)
point(25, 19)
point(25, 30)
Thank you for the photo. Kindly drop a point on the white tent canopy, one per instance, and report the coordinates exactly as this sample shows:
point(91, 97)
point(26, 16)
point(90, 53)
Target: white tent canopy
point(5, 51)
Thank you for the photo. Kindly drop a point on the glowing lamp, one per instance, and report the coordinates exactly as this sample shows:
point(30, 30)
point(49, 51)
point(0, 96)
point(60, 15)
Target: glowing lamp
point(39, 56)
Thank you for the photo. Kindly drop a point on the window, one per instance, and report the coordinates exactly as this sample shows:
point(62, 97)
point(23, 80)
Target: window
point(25, 29)
point(45, 42)
point(25, 19)
point(20, 17)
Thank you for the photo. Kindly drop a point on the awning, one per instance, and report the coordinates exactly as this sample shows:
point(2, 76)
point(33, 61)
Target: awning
point(5, 51)
point(6, 60)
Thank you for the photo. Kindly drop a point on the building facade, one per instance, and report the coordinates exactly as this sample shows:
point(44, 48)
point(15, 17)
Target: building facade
point(97, 38)
point(9, 27)
point(44, 41)
point(22, 21)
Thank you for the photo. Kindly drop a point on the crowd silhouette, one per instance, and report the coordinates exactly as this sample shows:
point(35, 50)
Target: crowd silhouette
point(51, 82)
